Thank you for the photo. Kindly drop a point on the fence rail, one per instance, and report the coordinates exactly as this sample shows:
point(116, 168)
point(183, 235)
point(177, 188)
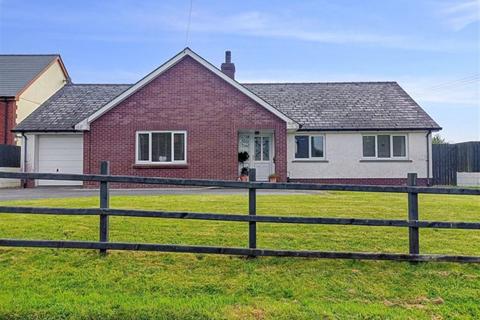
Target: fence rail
point(413, 223)
point(236, 184)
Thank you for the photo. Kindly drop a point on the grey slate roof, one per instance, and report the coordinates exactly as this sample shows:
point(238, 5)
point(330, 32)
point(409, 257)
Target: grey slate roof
point(70, 105)
point(16, 71)
point(345, 105)
point(320, 106)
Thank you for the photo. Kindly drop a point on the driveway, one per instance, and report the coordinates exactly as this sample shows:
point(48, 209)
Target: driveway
point(74, 192)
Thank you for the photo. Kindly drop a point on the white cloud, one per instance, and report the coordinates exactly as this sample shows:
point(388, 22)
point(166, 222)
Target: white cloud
point(134, 22)
point(259, 24)
point(459, 14)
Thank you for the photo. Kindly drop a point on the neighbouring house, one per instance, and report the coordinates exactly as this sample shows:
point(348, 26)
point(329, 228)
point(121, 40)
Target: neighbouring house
point(189, 119)
point(26, 81)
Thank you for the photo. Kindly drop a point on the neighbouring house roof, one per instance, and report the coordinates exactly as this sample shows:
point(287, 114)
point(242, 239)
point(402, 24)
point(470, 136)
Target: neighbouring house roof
point(345, 105)
point(69, 105)
point(17, 71)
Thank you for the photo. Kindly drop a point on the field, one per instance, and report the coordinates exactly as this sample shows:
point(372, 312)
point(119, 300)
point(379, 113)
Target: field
point(80, 284)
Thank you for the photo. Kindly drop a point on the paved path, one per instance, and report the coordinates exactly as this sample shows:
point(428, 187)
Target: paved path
point(74, 192)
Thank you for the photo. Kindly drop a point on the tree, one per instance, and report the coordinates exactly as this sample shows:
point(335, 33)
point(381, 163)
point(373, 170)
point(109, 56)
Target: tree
point(438, 139)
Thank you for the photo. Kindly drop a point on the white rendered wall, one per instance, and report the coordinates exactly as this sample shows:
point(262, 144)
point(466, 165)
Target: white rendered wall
point(343, 158)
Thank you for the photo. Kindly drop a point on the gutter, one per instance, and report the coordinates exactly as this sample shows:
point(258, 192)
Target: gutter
point(371, 129)
point(5, 121)
point(46, 131)
point(24, 166)
point(428, 157)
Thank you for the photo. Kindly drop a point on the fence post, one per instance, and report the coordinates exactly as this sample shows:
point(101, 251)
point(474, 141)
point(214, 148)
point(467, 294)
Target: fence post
point(252, 210)
point(413, 234)
point(104, 203)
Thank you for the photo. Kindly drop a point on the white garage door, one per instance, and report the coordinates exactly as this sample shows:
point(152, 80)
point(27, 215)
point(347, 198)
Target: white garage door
point(60, 154)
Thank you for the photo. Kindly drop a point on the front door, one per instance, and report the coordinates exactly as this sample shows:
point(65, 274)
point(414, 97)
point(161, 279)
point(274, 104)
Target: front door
point(260, 148)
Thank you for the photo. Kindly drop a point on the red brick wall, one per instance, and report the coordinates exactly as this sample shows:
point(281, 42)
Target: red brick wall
point(364, 181)
point(10, 112)
point(186, 97)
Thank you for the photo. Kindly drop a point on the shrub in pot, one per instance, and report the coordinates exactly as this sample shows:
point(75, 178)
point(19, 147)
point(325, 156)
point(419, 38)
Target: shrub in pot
point(273, 177)
point(244, 174)
point(243, 156)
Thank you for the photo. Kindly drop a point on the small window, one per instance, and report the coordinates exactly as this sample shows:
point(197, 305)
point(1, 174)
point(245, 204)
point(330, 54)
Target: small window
point(383, 143)
point(384, 146)
point(301, 147)
point(309, 147)
point(317, 147)
point(179, 146)
point(369, 146)
point(143, 145)
point(161, 147)
point(262, 148)
point(399, 146)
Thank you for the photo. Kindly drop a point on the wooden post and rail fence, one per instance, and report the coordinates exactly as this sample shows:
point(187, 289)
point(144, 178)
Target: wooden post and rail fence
point(413, 222)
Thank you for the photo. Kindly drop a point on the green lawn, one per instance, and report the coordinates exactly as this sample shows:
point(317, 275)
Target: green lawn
point(80, 284)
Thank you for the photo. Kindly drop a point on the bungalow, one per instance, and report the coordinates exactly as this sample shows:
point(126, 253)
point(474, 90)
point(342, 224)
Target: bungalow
point(189, 119)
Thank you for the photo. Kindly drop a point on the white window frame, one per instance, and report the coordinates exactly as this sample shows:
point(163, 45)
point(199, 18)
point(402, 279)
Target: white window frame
point(392, 157)
point(310, 158)
point(149, 161)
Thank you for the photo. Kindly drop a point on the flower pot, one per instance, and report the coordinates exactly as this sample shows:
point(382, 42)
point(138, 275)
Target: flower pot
point(244, 178)
point(272, 179)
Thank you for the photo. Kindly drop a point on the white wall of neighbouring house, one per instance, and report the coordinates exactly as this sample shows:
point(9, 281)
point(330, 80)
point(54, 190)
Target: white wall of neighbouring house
point(344, 158)
point(42, 88)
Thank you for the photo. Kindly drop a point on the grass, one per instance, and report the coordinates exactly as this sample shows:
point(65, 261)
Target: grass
point(79, 284)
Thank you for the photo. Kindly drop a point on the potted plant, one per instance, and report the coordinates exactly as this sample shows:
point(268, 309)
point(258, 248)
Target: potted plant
point(273, 177)
point(243, 156)
point(244, 174)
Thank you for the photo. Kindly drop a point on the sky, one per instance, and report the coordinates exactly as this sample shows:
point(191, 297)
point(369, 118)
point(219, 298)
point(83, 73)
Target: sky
point(430, 47)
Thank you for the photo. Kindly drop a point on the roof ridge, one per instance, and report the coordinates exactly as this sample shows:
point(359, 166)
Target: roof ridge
point(30, 54)
point(320, 82)
point(100, 84)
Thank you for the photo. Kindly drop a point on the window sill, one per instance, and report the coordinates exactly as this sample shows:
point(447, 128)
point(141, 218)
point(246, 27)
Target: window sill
point(310, 160)
point(385, 160)
point(160, 166)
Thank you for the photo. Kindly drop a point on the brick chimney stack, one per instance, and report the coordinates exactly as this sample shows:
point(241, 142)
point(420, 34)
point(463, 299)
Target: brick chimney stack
point(228, 67)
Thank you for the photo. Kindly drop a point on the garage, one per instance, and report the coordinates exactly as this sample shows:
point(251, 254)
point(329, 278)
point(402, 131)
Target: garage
point(60, 153)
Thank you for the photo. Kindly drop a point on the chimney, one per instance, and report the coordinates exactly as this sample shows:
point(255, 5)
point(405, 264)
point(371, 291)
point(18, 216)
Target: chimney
point(228, 67)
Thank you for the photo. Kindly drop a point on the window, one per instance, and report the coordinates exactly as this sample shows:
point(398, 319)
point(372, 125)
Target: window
point(262, 148)
point(384, 146)
point(369, 146)
point(310, 147)
point(161, 147)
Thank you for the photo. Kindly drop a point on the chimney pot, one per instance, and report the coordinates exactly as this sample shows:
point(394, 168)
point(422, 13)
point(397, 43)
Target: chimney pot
point(228, 56)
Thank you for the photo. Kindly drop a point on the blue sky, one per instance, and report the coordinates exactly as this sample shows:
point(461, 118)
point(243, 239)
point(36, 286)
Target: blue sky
point(430, 47)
